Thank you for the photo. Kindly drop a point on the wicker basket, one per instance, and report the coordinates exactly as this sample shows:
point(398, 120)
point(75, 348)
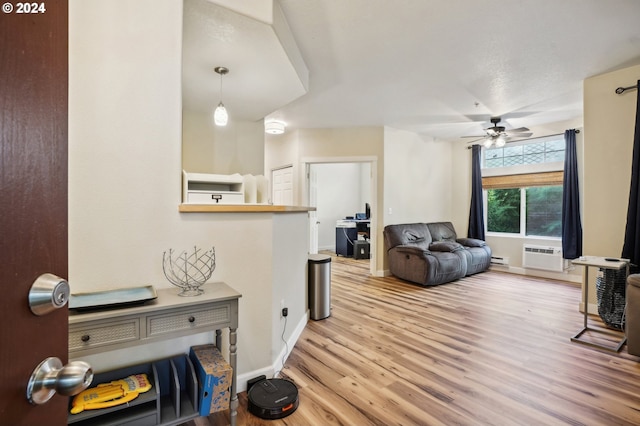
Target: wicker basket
point(610, 288)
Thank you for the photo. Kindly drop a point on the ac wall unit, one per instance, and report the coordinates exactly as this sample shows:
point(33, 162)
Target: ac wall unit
point(546, 258)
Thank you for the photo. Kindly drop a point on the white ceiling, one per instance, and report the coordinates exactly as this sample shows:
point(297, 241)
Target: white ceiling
point(440, 68)
point(261, 75)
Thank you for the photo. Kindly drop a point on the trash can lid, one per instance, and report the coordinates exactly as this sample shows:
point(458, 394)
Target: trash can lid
point(319, 258)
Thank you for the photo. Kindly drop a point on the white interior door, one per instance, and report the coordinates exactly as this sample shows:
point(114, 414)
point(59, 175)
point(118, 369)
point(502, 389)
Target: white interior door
point(312, 178)
point(282, 189)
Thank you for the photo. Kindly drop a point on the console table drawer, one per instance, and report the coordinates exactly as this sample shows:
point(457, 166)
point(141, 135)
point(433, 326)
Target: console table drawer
point(107, 333)
point(188, 319)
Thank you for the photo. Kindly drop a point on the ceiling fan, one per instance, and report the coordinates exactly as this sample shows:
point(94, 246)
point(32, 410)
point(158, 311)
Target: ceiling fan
point(498, 135)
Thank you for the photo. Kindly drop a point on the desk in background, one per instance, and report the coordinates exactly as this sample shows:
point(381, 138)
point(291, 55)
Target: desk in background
point(347, 232)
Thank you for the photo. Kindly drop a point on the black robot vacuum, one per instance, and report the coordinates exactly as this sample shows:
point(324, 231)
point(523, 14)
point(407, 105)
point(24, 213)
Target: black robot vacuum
point(272, 398)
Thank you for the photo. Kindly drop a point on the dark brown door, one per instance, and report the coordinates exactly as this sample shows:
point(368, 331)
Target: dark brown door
point(33, 200)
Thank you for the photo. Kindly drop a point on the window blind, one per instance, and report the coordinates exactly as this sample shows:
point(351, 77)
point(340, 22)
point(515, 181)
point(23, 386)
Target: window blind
point(523, 180)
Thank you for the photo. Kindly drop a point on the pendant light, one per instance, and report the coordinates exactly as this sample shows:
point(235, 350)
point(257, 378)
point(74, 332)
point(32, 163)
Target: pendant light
point(220, 116)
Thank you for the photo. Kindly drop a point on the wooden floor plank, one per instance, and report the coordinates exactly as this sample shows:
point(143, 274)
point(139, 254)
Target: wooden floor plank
point(490, 349)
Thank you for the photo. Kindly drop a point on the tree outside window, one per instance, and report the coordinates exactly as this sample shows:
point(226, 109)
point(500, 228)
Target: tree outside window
point(503, 210)
point(542, 211)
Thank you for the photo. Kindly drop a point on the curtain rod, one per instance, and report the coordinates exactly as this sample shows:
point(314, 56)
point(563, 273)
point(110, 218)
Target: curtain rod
point(621, 90)
point(528, 139)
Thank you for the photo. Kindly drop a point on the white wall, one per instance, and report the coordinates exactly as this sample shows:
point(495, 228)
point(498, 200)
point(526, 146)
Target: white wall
point(237, 147)
point(125, 183)
point(298, 147)
point(414, 175)
point(417, 180)
point(609, 121)
point(290, 243)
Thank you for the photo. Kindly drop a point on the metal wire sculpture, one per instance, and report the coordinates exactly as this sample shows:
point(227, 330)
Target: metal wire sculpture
point(189, 271)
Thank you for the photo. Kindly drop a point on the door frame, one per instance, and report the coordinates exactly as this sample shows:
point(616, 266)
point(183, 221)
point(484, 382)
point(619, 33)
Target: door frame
point(373, 162)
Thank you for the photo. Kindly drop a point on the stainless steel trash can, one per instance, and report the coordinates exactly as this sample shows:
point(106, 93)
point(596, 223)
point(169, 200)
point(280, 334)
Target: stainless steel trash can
point(319, 281)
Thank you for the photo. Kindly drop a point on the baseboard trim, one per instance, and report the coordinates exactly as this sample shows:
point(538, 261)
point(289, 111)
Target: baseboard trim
point(538, 273)
point(520, 271)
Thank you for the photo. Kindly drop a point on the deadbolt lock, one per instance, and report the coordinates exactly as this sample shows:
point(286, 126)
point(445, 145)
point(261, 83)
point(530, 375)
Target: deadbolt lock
point(48, 293)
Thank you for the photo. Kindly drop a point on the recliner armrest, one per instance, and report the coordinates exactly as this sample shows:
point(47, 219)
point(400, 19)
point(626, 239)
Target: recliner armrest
point(446, 246)
point(418, 251)
point(471, 242)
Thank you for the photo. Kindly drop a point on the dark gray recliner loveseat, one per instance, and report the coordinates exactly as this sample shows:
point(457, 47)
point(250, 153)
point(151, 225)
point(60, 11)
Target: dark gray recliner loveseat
point(431, 254)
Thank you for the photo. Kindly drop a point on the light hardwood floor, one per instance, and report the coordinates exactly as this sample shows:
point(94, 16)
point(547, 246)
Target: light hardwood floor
point(491, 349)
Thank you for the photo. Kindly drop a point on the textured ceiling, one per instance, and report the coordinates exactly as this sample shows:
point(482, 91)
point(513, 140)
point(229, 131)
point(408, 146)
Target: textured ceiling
point(262, 76)
point(440, 68)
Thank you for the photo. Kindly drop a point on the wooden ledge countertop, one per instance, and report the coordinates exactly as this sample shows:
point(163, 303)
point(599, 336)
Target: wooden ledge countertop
point(241, 208)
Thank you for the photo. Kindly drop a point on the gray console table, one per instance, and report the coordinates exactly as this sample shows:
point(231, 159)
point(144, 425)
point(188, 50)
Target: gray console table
point(597, 262)
point(166, 317)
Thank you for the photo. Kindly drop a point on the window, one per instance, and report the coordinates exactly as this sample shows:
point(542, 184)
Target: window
point(503, 210)
point(544, 211)
point(548, 150)
point(542, 216)
point(523, 188)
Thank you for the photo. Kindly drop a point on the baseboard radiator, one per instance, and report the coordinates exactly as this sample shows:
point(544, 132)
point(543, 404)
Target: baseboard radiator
point(499, 260)
point(542, 257)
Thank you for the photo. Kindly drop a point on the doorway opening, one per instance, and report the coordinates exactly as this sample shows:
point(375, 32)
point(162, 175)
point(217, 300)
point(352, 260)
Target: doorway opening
point(343, 191)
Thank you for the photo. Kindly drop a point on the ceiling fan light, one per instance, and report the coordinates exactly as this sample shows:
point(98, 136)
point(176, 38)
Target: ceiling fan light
point(500, 141)
point(487, 142)
point(274, 127)
point(220, 116)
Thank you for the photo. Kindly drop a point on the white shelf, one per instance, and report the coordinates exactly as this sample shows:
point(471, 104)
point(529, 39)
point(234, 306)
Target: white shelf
point(201, 188)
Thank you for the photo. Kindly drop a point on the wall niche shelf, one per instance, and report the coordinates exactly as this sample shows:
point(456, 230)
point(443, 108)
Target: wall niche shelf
point(241, 208)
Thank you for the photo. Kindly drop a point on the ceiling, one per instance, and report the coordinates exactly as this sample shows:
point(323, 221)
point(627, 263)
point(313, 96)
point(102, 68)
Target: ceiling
point(439, 68)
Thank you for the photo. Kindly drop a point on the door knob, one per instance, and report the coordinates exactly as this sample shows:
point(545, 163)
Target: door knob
point(51, 377)
point(48, 293)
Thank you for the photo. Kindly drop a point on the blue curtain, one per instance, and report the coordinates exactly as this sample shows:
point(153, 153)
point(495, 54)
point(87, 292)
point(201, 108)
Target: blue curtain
point(571, 224)
point(631, 248)
point(476, 213)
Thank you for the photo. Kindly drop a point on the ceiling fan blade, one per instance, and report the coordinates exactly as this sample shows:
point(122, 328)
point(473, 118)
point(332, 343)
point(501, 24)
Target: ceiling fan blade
point(519, 130)
point(476, 136)
point(521, 135)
